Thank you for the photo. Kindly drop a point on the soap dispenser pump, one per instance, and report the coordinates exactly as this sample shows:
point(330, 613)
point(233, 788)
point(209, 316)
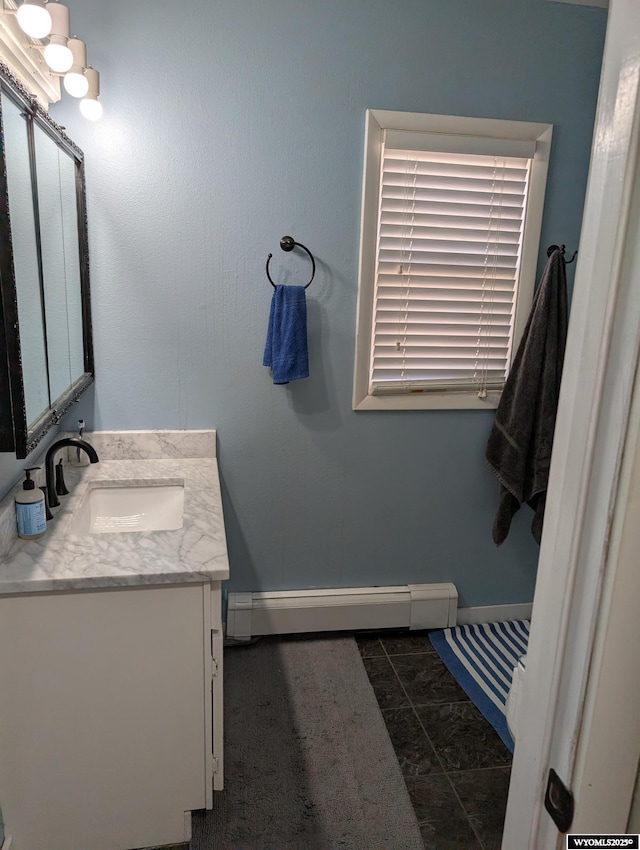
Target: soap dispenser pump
point(30, 512)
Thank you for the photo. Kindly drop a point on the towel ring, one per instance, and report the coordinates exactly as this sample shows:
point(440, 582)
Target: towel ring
point(562, 249)
point(288, 243)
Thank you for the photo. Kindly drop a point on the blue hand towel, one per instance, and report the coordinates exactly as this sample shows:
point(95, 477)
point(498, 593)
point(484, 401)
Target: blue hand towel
point(286, 347)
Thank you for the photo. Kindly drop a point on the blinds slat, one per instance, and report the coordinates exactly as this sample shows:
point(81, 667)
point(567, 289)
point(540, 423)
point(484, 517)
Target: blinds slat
point(464, 197)
point(419, 253)
point(449, 222)
point(476, 302)
point(396, 333)
point(445, 270)
point(438, 170)
point(441, 208)
point(445, 317)
point(435, 356)
point(401, 282)
point(449, 235)
point(410, 286)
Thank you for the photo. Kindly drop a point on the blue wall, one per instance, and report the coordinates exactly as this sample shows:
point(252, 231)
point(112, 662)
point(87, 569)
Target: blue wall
point(229, 124)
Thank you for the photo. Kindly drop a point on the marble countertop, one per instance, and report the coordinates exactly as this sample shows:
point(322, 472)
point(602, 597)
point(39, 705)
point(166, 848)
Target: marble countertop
point(61, 560)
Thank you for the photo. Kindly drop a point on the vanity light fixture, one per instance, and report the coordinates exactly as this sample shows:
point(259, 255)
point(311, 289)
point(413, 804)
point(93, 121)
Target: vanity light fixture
point(90, 106)
point(47, 25)
point(34, 18)
point(75, 81)
point(57, 54)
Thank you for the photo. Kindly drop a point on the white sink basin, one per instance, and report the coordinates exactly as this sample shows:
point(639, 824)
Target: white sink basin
point(132, 507)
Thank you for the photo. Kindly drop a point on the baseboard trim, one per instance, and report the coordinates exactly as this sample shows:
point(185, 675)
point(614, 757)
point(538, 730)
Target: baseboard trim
point(413, 606)
point(494, 613)
point(6, 844)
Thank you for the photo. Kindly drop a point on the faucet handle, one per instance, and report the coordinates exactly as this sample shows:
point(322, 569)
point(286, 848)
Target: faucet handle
point(61, 487)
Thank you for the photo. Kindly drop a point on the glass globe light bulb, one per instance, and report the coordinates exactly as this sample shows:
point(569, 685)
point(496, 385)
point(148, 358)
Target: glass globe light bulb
point(91, 108)
point(76, 84)
point(58, 57)
point(34, 20)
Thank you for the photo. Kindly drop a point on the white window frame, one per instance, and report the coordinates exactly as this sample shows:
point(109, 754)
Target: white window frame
point(377, 121)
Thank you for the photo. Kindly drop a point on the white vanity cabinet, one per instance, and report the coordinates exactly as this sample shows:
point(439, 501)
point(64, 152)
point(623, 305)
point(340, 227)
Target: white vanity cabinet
point(110, 714)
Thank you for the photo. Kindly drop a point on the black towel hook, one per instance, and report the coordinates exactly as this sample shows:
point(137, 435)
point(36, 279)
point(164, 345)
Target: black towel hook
point(562, 249)
point(288, 243)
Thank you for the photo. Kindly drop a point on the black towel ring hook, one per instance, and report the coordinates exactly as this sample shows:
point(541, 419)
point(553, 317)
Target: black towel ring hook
point(288, 243)
point(562, 249)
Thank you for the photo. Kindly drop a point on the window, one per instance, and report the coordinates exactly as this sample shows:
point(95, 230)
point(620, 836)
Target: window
point(451, 216)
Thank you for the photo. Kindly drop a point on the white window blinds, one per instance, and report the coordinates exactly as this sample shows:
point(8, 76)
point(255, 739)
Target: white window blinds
point(450, 225)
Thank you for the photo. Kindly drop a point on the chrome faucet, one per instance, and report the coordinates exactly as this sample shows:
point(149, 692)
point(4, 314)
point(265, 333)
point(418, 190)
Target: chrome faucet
point(49, 459)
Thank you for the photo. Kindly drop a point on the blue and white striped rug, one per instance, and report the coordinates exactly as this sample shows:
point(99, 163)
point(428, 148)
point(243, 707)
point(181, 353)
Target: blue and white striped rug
point(481, 657)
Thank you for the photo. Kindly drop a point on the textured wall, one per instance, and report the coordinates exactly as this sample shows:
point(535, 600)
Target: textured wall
point(231, 123)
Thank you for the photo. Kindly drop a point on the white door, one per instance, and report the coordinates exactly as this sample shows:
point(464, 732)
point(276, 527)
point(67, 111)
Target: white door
point(584, 537)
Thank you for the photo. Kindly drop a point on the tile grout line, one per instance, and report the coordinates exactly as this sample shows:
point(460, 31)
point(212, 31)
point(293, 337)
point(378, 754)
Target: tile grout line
point(480, 841)
point(413, 708)
point(444, 771)
point(481, 769)
point(469, 818)
point(448, 773)
point(452, 786)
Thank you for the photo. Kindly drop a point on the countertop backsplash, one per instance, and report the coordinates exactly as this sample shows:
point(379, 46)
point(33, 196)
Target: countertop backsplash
point(151, 445)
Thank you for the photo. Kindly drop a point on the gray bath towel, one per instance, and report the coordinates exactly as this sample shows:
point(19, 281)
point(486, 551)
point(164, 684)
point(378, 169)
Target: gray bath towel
point(519, 446)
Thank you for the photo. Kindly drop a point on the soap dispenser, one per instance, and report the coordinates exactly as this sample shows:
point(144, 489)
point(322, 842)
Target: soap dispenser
point(30, 511)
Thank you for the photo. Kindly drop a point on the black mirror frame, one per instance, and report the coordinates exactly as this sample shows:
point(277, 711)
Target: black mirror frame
point(16, 434)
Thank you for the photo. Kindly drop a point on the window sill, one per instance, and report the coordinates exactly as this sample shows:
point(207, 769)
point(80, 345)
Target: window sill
point(427, 401)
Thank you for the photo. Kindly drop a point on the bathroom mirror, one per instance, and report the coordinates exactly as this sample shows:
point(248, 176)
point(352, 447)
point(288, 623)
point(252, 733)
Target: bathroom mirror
point(45, 333)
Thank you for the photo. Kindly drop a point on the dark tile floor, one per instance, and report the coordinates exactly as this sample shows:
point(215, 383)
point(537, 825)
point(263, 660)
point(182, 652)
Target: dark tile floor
point(455, 765)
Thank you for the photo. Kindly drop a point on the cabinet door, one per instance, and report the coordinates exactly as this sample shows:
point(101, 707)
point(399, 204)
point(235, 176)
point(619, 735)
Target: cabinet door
point(102, 716)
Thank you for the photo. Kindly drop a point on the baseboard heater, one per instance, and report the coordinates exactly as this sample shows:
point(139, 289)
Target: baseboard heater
point(413, 606)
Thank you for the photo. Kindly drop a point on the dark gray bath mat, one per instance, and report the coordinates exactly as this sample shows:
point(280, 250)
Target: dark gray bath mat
point(309, 764)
